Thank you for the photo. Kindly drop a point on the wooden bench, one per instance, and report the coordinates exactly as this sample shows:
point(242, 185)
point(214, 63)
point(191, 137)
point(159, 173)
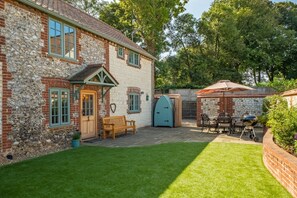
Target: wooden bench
point(117, 124)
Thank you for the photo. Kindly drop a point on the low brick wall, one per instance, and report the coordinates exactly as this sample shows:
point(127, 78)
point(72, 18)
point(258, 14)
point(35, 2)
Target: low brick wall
point(281, 164)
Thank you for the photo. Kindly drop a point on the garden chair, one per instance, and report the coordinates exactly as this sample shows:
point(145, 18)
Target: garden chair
point(208, 123)
point(224, 121)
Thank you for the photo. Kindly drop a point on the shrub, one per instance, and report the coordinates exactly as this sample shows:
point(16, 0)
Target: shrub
point(269, 103)
point(280, 84)
point(283, 122)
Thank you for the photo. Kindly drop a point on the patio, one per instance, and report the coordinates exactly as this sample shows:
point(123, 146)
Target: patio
point(189, 132)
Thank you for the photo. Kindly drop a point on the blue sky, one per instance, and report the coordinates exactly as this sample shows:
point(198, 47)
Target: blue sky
point(197, 7)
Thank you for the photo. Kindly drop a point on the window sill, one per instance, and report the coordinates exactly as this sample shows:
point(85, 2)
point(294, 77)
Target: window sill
point(120, 57)
point(62, 58)
point(136, 66)
point(133, 112)
point(60, 126)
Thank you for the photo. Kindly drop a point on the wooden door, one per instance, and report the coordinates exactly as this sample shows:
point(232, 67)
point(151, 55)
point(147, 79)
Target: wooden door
point(88, 114)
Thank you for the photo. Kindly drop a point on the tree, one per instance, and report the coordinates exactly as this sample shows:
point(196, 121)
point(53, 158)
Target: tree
point(114, 15)
point(92, 7)
point(247, 35)
point(150, 18)
point(182, 36)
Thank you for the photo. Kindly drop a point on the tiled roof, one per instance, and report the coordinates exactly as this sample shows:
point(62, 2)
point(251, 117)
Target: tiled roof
point(64, 10)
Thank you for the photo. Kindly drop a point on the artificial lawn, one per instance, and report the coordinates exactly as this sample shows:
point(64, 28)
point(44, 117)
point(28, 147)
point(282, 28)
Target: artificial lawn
point(168, 170)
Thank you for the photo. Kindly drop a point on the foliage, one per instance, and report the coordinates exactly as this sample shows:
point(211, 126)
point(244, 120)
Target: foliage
point(280, 84)
point(268, 103)
point(247, 35)
point(165, 88)
point(150, 18)
point(237, 40)
point(114, 15)
point(92, 7)
point(263, 119)
point(76, 135)
point(167, 170)
point(282, 121)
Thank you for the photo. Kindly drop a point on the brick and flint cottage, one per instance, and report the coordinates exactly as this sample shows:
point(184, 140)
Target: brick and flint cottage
point(62, 70)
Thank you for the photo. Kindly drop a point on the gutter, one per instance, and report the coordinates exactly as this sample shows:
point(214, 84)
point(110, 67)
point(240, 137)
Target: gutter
point(55, 14)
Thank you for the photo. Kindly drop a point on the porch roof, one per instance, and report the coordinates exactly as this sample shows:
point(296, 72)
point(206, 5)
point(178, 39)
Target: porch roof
point(94, 75)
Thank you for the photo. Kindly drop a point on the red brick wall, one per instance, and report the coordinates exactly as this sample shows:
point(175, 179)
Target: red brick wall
point(107, 96)
point(282, 165)
point(6, 110)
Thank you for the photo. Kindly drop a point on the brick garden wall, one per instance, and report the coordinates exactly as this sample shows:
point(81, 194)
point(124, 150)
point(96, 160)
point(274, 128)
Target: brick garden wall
point(282, 165)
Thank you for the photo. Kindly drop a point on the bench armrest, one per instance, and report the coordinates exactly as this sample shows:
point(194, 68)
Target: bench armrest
point(132, 122)
point(112, 125)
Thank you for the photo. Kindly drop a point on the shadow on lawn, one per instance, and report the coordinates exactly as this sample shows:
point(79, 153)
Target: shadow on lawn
point(100, 172)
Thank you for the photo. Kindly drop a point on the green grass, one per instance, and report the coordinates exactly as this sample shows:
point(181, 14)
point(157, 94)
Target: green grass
point(168, 170)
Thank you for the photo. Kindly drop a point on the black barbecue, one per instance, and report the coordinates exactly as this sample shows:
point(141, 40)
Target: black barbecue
point(249, 121)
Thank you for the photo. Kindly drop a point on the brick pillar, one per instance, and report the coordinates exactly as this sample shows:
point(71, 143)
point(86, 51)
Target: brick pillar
point(107, 96)
point(199, 111)
point(6, 93)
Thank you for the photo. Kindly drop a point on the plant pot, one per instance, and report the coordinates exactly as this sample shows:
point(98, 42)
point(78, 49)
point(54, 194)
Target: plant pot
point(75, 143)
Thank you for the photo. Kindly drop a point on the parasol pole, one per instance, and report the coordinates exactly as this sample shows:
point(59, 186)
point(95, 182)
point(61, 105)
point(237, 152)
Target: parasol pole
point(224, 100)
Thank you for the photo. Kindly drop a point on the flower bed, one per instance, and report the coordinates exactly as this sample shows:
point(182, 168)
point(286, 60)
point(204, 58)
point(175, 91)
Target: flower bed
point(282, 165)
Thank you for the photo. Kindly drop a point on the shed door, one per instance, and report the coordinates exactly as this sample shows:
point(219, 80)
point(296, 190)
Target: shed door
point(88, 114)
point(163, 115)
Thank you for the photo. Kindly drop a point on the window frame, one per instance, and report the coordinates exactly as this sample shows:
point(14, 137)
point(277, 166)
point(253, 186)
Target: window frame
point(123, 52)
point(62, 40)
point(60, 115)
point(133, 59)
point(134, 109)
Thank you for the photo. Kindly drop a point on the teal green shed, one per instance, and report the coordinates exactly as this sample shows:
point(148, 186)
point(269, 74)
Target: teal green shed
point(163, 113)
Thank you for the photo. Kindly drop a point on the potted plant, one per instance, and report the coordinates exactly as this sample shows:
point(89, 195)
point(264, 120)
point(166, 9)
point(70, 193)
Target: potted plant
point(75, 139)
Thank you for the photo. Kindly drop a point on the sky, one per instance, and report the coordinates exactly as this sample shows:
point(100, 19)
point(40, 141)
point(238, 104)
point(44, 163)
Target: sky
point(197, 7)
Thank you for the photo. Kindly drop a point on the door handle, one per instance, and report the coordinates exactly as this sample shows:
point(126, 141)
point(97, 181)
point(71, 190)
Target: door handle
point(88, 118)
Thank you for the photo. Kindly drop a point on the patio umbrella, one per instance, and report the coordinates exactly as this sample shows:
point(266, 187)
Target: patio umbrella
point(223, 86)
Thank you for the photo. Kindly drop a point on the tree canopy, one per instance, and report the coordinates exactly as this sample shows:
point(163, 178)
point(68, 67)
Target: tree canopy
point(243, 41)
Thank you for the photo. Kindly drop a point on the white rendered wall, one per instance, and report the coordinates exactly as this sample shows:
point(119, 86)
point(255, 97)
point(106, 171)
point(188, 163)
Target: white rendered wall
point(128, 76)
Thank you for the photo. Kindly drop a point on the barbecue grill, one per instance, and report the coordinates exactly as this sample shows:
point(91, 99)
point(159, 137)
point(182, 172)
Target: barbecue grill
point(249, 121)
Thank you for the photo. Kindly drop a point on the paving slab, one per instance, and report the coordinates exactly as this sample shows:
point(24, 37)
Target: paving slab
point(189, 132)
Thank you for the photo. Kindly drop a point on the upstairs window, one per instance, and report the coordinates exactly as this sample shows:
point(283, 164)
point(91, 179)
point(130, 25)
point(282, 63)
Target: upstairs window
point(121, 52)
point(61, 39)
point(134, 59)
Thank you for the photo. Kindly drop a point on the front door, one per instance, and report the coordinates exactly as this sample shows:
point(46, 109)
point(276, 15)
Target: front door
point(88, 114)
